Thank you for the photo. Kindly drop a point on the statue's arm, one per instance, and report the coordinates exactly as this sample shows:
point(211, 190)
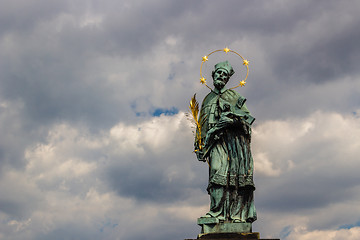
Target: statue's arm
point(199, 151)
point(238, 116)
point(216, 131)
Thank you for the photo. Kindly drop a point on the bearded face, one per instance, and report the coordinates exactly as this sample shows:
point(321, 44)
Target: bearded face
point(220, 77)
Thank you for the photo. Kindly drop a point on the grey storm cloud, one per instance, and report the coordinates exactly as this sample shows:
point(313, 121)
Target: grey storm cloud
point(149, 181)
point(55, 69)
point(94, 139)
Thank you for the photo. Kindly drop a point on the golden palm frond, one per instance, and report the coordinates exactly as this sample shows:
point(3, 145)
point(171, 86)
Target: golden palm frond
point(197, 121)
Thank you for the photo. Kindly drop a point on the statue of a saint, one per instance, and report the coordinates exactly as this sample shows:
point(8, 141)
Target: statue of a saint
point(226, 135)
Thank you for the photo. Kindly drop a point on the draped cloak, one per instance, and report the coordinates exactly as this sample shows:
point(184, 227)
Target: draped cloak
point(231, 182)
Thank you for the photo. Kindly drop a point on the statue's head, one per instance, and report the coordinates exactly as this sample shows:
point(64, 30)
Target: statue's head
point(222, 73)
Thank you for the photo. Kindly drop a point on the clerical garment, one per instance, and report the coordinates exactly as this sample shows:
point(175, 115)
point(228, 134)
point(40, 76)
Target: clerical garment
point(227, 147)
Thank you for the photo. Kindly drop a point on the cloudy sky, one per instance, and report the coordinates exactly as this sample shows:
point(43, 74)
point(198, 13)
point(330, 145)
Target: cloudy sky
point(94, 139)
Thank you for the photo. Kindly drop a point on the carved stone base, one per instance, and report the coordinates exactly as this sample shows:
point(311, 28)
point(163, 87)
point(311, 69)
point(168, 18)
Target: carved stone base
point(213, 229)
point(231, 236)
point(213, 225)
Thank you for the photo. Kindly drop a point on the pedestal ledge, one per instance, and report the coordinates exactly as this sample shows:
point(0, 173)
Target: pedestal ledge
point(213, 225)
point(230, 236)
point(214, 229)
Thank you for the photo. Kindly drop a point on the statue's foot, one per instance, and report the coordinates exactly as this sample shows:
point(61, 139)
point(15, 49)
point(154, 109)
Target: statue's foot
point(208, 215)
point(238, 221)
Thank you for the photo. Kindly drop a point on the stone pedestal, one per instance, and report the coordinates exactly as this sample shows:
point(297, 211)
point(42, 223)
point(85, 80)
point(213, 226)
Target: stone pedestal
point(213, 225)
point(213, 229)
point(230, 236)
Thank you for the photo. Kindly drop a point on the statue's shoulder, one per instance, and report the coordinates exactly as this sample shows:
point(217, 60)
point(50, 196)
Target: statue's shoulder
point(233, 96)
point(228, 95)
point(209, 97)
point(232, 93)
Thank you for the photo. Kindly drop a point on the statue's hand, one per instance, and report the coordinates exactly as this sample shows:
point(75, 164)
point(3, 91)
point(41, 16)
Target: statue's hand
point(210, 137)
point(200, 155)
point(225, 119)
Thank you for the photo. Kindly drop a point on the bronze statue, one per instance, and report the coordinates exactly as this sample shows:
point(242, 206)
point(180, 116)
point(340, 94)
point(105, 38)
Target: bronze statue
point(223, 137)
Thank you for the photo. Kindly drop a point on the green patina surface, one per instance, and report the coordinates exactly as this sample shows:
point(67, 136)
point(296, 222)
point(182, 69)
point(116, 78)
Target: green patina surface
point(226, 134)
point(212, 225)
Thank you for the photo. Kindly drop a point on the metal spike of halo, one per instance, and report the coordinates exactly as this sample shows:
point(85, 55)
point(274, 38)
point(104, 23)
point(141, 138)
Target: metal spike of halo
point(226, 50)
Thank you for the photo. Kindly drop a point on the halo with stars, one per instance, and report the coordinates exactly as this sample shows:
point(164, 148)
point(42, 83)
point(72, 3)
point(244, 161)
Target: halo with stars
point(226, 50)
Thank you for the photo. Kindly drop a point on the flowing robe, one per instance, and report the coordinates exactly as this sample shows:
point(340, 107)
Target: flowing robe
point(226, 132)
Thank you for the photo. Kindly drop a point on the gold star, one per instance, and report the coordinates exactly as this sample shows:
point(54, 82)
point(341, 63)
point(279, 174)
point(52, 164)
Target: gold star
point(226, 50)
point(202, 80)
point(242, 83)
point(246, 62)
point(205, 58)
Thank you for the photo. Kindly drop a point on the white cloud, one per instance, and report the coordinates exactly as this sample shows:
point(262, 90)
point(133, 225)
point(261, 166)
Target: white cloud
point(322, 139)
point(67, 184)
point(264, 166)
point(307, 170)
point(301, 233)
point(64, 174)
point(91, 20)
